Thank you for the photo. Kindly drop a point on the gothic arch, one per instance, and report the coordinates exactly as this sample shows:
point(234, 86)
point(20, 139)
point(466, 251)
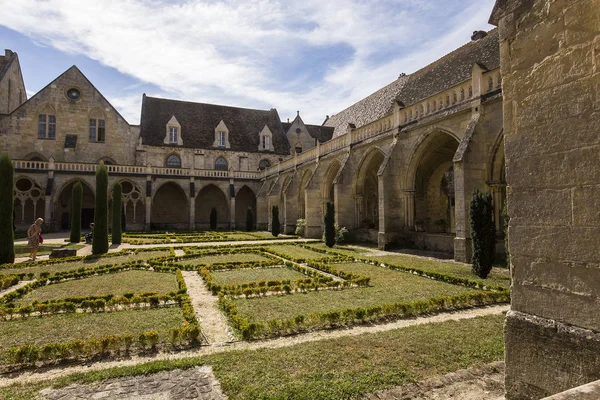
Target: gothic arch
point(63, 201)
point(212, 196)
point(133, 201)
point(170, 207)
point(107, 160)
point(244, 199)
point(327, 189)
point(371, 159)
point(496, 170)
point(29, 201)
point(35, 156)
point(302, 193)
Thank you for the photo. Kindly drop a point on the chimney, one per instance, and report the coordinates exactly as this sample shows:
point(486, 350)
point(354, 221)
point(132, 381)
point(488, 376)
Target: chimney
point(478, 35)
point(8, 53)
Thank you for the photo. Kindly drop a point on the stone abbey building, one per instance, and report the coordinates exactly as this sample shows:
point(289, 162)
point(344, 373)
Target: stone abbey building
point(400, 164)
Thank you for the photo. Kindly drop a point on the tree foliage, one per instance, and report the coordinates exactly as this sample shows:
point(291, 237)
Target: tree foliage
point(275, 225)
point(213, 218)
point(76, 202)
point(7, 237)
point(116, 213)
point(100, 238)
point(329, 224)
point(249, 220)
point(483, 233)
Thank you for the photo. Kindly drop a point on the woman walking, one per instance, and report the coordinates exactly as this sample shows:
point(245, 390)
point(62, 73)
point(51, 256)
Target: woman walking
point(33, 235)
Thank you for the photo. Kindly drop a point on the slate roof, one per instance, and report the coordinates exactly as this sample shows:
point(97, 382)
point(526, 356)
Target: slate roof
point(446, 72)
point(319, 132)
point(199, 120)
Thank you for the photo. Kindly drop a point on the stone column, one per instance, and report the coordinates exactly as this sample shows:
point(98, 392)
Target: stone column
point(358, 210)
point(148, 222)
point(381, 234)
point(192, 204)
point(313, 206)
point(410, 209)
point(550, 53)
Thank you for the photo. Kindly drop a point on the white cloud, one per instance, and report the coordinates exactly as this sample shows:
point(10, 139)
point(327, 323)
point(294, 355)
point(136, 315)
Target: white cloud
point(228, 52)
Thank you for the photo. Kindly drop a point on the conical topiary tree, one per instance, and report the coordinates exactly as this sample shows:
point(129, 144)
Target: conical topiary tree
point(100, 238)
point(7, 235)
point(116, 213)
point(275, 226)
point(249, 220)
point(483, 233)
point(213, 219)
point(76, 201)
point(329, 224)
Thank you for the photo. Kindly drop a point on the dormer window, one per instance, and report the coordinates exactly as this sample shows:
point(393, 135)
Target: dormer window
point(222, 138)
point(298, 148)
point(265, 140)
point(173, 135)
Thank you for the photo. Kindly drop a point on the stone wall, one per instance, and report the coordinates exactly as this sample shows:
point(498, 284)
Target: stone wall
point(550, 53)
point(12, 88)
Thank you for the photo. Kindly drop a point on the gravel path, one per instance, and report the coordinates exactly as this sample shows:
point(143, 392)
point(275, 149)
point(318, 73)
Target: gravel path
point(212, 321)
point(40, 375)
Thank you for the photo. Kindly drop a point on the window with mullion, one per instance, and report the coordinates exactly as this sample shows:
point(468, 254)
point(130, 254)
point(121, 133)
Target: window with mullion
point(173, 133)
point(97, 131)
point(222, 138)
point(46, 126)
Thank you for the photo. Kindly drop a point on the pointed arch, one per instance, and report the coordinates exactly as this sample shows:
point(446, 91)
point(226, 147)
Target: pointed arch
point(170, 207)
point(245, 199)
point(35, 156)
point(63, 201)
point(212, 196)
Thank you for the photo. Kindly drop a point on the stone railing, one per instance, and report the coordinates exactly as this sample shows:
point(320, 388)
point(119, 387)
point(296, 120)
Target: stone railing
point(373, 129)
point(45, 166)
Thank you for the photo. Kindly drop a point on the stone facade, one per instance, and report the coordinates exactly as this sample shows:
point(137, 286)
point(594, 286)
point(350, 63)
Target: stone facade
point(550, 52)
point(399, 165)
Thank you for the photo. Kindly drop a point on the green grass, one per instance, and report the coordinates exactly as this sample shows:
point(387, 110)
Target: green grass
point(237, 277)
point(387, 286)
point(67, 327)
point(347, 367)
point(296, 252)
point(498, 277)
point(355, 252)
point(117, 283)
point(38, 268)
point(223, 258)
point(21, 250)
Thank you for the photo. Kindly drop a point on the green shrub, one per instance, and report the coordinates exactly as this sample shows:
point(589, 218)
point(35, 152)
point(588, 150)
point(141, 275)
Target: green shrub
point(7, 238)
point(116, 213)
point(275, 225)
point(249, 220)
point(100, 238)
point(213, 218)
point(329, 221)
point(483, 233)
point(300, 227)
point(76, 201)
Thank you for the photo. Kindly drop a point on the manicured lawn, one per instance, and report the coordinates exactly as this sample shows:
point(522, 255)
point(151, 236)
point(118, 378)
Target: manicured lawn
point(85, 263)
point(358, 252)
point(296, 251)
point(223, 258)
point(498, 277)
point(117, 283)
point(332, 369)
point(67, 327)
point(387, 286)
point(237, 277)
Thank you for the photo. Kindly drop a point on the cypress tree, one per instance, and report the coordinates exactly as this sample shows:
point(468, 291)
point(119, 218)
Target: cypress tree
point(116, 213)
point(275, 226)
point(76, 201)
point(100, 239)
point(213, 219)
point(329, 224)
point(483, 233)
point(249, 220)
point(7, 235)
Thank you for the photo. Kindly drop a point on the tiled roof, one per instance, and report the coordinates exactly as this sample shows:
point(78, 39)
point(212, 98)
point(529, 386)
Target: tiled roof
point(446, 72)
point(198, 122)
point(319, 132)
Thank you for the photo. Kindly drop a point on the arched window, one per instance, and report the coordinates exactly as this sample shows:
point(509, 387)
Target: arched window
point(447, 100)
point(491, 83)
point(264, 164)
point(221, 164)
point(428, 108)
point(470, 91)
point(434, 105)
point(298, 148)
point(421, 110)
point(410, 115)
point(405, 117)
point(173, 161)
point(454, 98)
point(441, 104)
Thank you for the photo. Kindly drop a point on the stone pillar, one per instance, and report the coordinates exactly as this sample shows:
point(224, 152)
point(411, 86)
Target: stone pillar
point(358, 210)
point(313, 206)
point(410, 209)
point(48, 209)
point(148, 222)
point(550, 61)
point(382, 238)
point(462, 240)
point(192, 200)
point(232, 214)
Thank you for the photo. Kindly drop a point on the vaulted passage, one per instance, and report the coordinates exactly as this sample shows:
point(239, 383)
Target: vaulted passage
point(210, 197)
point(434, 184)
point(367, 191)
point(244, 199)
point(170, 208)
point(62, 206)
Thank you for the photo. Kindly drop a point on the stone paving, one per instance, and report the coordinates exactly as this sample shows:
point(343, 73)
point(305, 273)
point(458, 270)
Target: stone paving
point(193, 383)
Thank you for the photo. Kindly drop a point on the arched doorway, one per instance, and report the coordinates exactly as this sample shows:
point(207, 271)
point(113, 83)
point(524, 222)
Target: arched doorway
point(432, 180)
point(210, 197)
point(133, 210)
point(170, 208)
point(244, 199)
point(328, 188)
point(367, 190)
point(29, 203)
point(63, 203)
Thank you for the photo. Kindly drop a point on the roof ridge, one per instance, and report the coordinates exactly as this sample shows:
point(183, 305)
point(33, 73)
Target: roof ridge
point(209, 104)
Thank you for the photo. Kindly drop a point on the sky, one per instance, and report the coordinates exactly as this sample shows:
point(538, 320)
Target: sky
point(313, 56)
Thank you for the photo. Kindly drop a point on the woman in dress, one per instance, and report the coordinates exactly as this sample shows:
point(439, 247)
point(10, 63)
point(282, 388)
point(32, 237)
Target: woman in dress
point(33, 236)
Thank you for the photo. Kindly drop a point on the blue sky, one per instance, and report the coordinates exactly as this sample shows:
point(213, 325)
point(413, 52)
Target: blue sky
point(316, 56)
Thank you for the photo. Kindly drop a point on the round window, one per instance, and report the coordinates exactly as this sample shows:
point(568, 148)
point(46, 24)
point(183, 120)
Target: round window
point(73, 94)
point(298, 130)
